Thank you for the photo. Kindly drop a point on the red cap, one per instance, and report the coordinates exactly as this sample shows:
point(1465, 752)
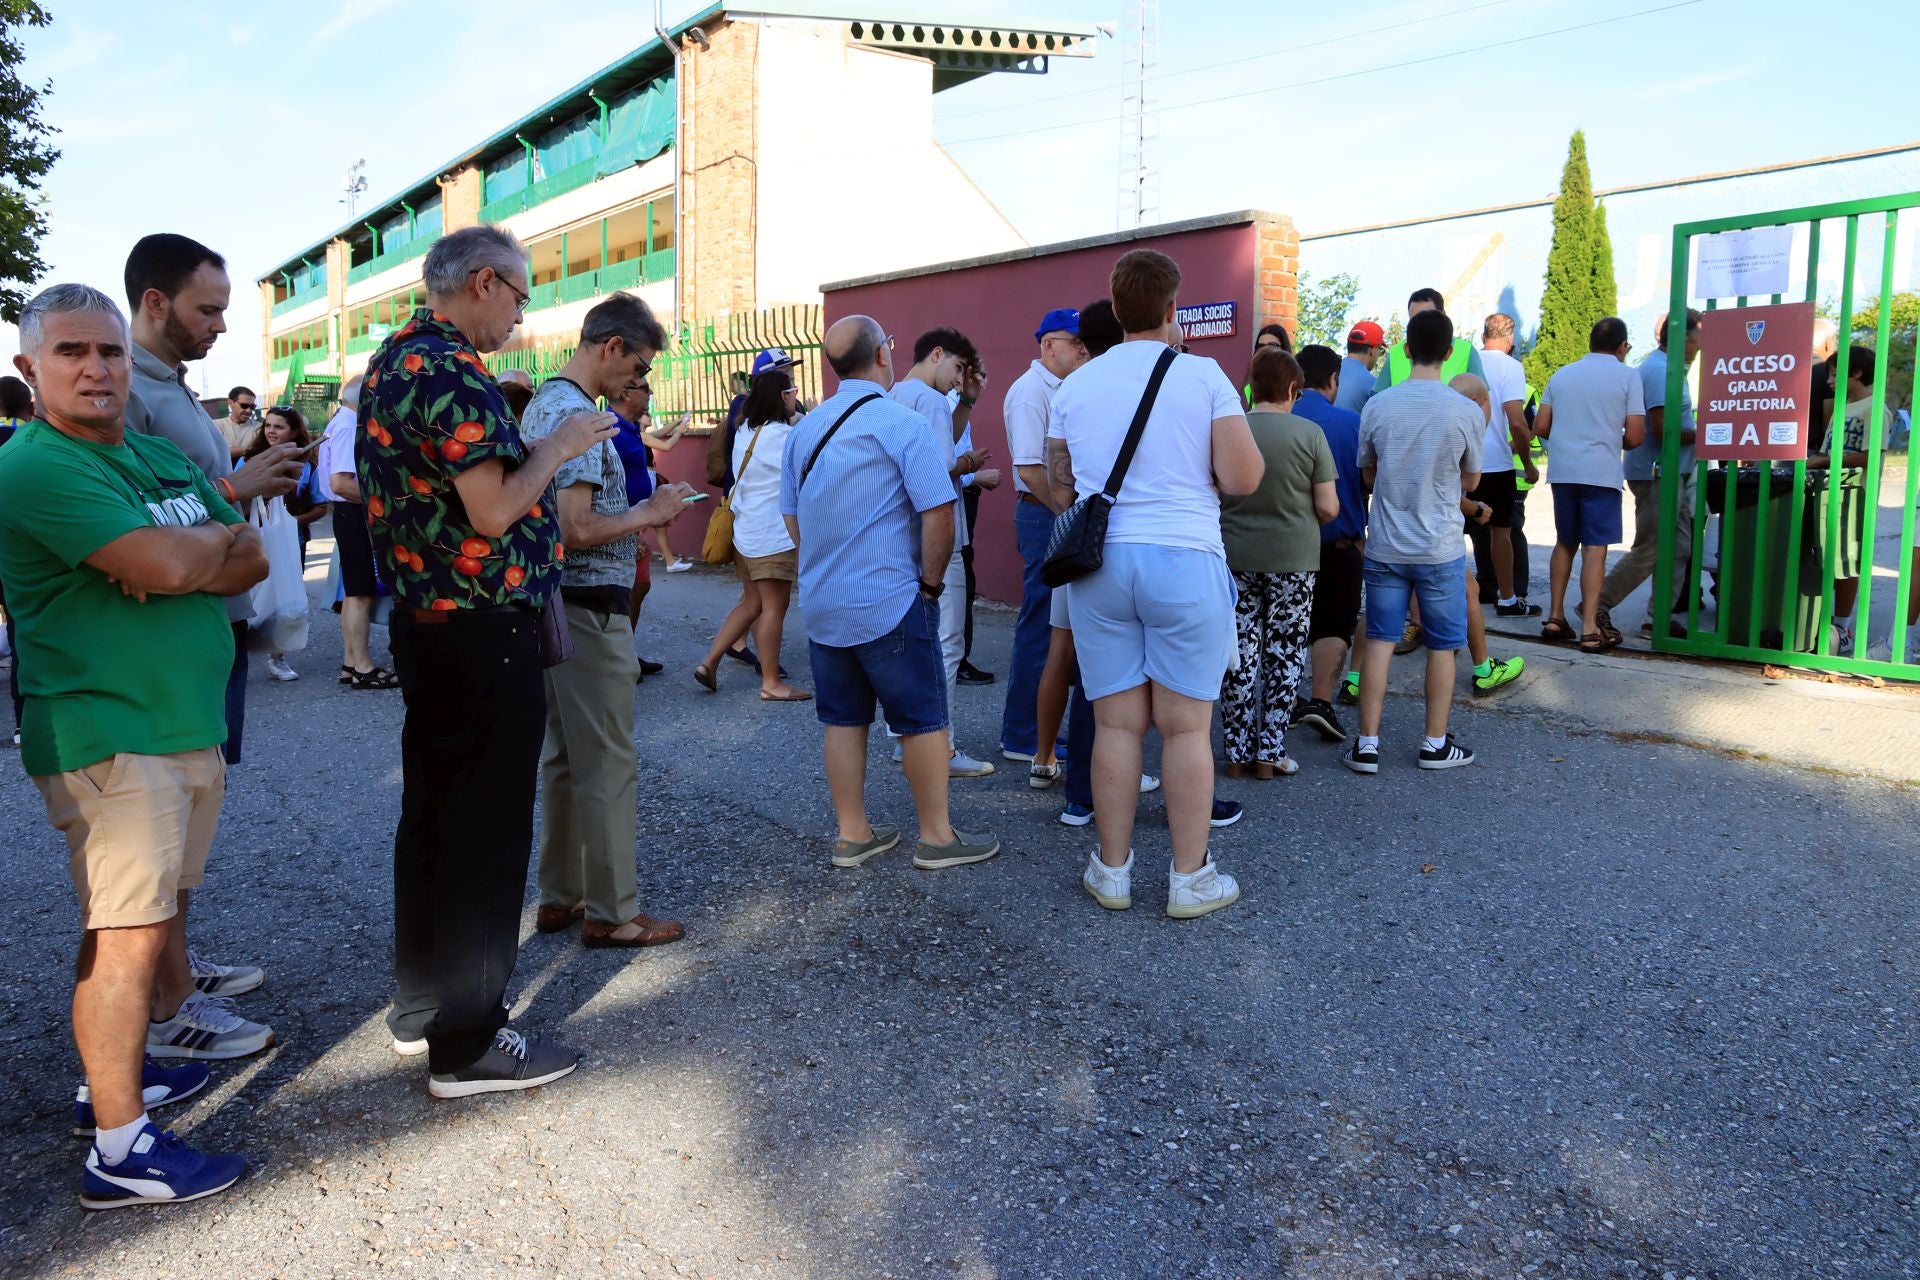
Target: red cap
point(1366, 334)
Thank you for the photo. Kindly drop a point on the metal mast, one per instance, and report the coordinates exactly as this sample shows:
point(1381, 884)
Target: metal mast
point(1139, 119)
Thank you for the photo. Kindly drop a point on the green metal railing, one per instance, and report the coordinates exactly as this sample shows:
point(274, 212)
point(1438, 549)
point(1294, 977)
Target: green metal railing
point(571, 178)
point(582, 285)
point(391, 258)
point(1794, 628)
point(308, 355)
point(696, 375)
point(313, 293)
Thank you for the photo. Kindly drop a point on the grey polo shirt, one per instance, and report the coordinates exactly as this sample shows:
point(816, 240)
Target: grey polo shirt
point(159, 404)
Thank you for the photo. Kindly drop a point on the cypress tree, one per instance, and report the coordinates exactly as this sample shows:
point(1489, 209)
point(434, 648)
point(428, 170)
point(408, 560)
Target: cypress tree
point(1606, 294)
point(1567, 307)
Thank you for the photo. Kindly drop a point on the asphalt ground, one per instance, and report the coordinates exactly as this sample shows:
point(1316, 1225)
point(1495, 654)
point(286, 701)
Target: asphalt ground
point(1595, 1006)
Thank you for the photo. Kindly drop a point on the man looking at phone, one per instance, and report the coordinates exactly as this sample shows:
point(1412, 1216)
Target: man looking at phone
point(461, 514)
point(588, 768)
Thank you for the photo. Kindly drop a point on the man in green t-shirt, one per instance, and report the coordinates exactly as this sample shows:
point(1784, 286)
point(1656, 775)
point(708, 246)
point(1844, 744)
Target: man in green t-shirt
point(117, 551)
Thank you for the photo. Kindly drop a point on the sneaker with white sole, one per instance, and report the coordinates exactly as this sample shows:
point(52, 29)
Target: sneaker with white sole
point(1018, 757)
point(1148, 784)
point(278, 669)
point(1200, 892)
point(1042, 776)
point(223, 979)
point(962, 765)
point(1111, 887)
point(1361, 759)
point(161, 1169)
point(207, 1027)
point(160, 1086)
point(410, 1048)
point(680, 565)
point(1076, 815)
point(964, 850)
point(513, 1062)
point(1226, 813)
point(1451, 754)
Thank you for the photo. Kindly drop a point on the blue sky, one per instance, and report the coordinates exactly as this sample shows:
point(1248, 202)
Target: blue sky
point(233, 122)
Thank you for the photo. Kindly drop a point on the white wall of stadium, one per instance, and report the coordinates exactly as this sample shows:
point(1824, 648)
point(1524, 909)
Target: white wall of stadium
point(1496, 259)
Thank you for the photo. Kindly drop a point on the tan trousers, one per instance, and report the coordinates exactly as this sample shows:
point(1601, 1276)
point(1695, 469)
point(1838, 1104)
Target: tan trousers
point(1636, 566)
point(587, 772)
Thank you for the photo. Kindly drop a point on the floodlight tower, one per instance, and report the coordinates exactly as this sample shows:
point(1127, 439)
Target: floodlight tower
point(1139, 119)
point(353, 184)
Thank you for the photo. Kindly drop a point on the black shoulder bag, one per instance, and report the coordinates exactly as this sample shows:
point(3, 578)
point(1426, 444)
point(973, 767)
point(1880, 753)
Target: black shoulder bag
point(837, 424)
point(1079, 539)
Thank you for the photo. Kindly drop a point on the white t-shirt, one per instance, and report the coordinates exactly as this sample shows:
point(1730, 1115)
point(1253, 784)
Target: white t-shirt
point(336, 450)
point(1506, 384)
point(1167, 498)
point(1592, 398)
point(1025, 413)
point(758, 529)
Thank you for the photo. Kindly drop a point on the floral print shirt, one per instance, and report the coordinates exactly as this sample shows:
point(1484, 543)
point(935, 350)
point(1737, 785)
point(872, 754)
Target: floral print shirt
point(429, 411)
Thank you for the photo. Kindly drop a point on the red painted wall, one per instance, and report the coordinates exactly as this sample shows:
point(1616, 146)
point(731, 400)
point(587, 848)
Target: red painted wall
point(999, 305)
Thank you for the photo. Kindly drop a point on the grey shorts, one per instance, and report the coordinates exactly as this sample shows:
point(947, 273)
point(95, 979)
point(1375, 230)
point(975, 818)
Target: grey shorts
point(1155, 613)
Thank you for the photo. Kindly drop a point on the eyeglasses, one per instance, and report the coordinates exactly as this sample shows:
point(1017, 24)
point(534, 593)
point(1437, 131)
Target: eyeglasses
point(520, 299)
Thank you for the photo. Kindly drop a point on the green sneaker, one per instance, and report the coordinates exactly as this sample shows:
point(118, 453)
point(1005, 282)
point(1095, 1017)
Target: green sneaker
point(1348, 694)
point(1502, 671)
point(964, 849)
point(851, 853)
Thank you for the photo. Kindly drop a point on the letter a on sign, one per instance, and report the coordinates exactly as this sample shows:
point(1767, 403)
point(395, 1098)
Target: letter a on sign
point(1756, 381)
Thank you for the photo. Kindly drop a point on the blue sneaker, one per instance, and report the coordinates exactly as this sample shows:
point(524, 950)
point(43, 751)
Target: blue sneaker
point(1226, 813)
point(159, 1087)
point(1076, 815)
point(161, 1169)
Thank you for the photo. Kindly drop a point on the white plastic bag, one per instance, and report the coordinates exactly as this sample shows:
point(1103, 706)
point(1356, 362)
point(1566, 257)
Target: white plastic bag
point(277, 622)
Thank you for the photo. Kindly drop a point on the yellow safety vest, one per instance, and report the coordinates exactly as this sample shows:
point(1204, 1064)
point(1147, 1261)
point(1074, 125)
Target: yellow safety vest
point(1400, 364)
point(1538, 450)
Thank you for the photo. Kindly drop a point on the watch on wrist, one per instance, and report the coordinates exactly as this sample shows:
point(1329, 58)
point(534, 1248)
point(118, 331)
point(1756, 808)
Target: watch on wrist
point(968, 400)
point(932, 590)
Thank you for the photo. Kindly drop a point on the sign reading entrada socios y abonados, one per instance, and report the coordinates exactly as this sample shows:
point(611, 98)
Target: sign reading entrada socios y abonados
point(1206, 320)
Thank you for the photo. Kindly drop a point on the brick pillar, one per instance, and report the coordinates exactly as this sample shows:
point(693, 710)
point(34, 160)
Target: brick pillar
point(266, 341)
point(719, 175)
point(460, 198)
point(1277, 272)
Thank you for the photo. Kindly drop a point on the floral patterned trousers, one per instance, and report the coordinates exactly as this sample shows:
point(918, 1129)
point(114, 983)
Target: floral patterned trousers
point(1271, 618)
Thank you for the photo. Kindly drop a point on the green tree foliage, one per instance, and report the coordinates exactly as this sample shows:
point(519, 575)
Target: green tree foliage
point(25, 157)
point(1567, 307)
point(1324, 310)
point(1606, 294)
point(1903, 326)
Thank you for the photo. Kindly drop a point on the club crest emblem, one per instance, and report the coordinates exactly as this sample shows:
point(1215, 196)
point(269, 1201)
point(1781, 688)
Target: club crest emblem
point(1755, 330)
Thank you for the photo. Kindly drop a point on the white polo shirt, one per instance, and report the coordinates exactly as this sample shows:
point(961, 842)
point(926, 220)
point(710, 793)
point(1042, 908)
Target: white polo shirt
point(1025, 410)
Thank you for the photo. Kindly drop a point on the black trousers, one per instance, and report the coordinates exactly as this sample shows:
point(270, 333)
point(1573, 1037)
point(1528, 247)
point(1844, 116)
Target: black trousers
point(237, 694)
point(470, 753)
point(1483, 553)
point(971, 496)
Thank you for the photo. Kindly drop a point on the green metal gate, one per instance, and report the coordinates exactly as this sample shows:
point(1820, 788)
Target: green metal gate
point(1781, 529)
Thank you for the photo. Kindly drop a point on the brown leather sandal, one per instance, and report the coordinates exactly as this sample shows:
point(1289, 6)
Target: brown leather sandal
point(653, 933)
point(554, 919)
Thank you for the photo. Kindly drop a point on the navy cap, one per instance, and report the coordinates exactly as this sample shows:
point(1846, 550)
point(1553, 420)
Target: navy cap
point(771, 358)
point(1058, 320)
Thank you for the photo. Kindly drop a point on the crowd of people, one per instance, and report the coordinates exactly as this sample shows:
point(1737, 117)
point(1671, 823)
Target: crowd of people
point(1184, 542)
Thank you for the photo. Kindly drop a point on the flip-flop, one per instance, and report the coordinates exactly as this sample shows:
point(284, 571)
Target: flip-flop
point(1557, 629)
point(798, 695)
point(704, 675)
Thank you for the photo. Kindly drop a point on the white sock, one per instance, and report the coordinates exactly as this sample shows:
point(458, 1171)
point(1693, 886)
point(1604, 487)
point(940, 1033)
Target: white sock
point(1434, 744)
point(1843, 620)
point(1510, 600)
point(1369, 742)
point(117, 1144)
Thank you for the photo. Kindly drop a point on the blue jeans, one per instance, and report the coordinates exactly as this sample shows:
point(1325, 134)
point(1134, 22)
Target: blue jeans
point(1441, 590)
point(1019, 724)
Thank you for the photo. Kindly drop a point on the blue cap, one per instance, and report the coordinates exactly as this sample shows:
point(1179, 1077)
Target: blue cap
point(1058, 320)
point(771, 358)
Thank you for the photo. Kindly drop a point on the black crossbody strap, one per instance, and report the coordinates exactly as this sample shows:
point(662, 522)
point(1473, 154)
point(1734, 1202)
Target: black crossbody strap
point(1125, 460)
point(838, 423)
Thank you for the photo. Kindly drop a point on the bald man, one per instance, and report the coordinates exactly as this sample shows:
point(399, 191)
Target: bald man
point(1488, 674)
point(868, 501)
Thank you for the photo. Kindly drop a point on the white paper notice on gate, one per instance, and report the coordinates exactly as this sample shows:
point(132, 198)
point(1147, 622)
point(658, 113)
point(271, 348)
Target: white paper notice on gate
point(1749, 264)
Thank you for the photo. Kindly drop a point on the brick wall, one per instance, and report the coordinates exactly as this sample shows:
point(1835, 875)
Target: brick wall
point(1277, 273)
point(719, 178)
point(460, 198)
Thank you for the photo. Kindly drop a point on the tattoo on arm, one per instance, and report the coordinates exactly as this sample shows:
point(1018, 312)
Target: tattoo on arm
point(1060, 473)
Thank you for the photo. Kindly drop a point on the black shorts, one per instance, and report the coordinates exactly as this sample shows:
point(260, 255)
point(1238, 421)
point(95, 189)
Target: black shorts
point(1499, 491)
point(1336, 593)
point(358, 576)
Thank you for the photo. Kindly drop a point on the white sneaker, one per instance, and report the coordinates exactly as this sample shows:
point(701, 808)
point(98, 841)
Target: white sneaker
point(962, 765)
point(409, 1048)
point(278, 669)
point(1842, 639)
point(1148, 784)
point(1042, 776)
point(1018, 757)
point(223, 979)
point(1200, 892)
point(206, 1027)
point(1111, 887)
point(680, 565)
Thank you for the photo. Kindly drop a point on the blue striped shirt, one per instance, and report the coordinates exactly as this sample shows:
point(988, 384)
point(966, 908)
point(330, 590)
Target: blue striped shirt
point(859, 512)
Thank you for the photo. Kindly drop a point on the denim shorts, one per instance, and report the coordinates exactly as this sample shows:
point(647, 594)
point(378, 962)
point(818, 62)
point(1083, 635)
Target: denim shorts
point(902, 670)
point(1155, 613)
point(1586, 515)
point(1441, 590)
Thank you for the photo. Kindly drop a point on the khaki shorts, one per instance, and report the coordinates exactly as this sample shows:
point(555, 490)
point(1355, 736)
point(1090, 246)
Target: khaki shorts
point(781, 566)
point(138, 830)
